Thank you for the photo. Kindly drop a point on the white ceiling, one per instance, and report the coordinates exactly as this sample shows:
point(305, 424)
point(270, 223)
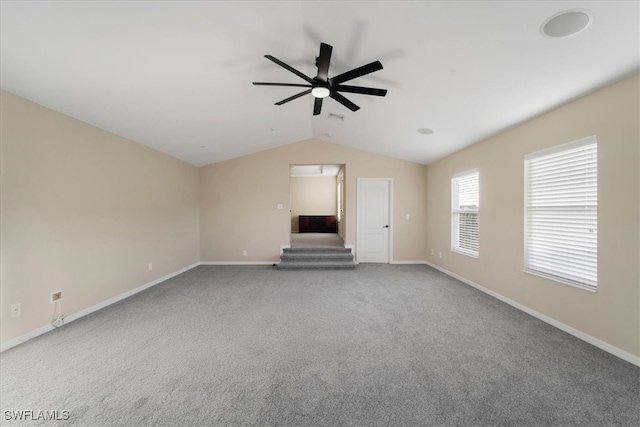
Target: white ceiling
point(176, 76)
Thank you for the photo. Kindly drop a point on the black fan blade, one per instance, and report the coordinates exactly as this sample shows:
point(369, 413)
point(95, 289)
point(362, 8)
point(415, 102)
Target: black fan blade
point(344, 101)
point(356, 72)
point(291, 98)
point(323, 62)
point(317, 106)
point(362, 90)
point(280, 84)
point(290, 68)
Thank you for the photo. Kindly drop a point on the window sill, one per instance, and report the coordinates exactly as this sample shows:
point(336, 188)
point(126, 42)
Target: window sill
point(560, 280)
point(465, 253)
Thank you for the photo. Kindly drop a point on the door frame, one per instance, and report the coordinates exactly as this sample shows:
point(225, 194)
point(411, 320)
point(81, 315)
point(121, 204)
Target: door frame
point(343, 170)
point(360, 211)
point(340, 202)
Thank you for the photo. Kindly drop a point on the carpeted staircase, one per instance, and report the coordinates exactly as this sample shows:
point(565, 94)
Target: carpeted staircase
point(329, 258)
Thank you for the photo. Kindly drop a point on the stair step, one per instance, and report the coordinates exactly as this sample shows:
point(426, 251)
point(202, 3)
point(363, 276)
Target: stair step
point(332, 258)
point(316, 255)
point(317, 250)
point(317, 265)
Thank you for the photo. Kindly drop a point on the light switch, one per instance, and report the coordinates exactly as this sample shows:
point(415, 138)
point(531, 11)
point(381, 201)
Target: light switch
point(280, 206)
point(408, 216)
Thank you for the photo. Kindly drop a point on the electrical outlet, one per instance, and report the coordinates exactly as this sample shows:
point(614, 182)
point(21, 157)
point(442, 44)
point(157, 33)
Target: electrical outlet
point(431, 251)
point(15, 310)
point(440, 253)
point(56, 296)
point(150, 266)
point(408, 216)
point(244, 253)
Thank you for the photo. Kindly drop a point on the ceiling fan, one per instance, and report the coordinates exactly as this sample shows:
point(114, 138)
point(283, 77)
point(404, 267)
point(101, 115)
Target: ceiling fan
point(322, 85)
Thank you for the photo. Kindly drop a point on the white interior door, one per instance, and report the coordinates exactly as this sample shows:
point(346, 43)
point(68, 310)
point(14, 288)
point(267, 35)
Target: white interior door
point(374, 220)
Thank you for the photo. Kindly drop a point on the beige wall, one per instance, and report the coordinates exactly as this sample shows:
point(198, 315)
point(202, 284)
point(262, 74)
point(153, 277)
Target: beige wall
point(313, 196)
point(612, 313)
point(85, 211)
point(239, 199)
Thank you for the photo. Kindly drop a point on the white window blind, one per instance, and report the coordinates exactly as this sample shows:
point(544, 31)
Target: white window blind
point(562, 213)
point(465, 207)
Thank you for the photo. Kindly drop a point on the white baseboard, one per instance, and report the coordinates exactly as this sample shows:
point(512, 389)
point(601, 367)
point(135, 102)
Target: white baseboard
point(238, 262)
point(26, 337)
point(624, 355)
point(75, 316)
point(417, 262)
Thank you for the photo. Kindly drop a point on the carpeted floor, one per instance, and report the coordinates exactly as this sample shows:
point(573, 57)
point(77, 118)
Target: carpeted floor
point(382, 345)
point(316, 240)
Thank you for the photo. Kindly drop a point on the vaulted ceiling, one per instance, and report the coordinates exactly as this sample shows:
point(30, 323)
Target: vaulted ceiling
point(176, 76)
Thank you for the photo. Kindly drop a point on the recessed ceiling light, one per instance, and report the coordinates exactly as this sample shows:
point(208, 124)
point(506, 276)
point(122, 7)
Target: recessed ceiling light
point(567, 23)
point(425, 131)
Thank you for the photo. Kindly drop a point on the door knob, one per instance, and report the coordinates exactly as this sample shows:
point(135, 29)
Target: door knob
point(386, 226)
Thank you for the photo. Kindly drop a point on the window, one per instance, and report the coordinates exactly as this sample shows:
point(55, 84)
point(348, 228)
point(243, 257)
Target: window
point(465, 204)
point(561, 213)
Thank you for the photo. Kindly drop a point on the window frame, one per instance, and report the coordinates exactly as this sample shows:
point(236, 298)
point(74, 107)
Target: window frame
point(591, 286)
point(455, 213)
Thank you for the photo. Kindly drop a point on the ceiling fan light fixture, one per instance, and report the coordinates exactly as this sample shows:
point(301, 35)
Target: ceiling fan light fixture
point(320, 92)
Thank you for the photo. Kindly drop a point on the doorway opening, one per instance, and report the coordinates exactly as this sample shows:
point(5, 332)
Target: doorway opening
point(317, 205)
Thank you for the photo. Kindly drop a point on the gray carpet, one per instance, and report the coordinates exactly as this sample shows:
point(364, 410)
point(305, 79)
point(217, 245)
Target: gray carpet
point(316, 240)
point(382, 345)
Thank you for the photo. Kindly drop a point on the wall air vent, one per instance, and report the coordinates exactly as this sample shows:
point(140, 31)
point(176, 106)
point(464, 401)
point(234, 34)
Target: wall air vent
point(335, 116)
